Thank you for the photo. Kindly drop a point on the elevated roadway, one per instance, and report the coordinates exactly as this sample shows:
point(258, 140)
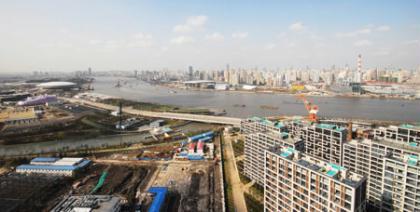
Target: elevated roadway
point(165, 115)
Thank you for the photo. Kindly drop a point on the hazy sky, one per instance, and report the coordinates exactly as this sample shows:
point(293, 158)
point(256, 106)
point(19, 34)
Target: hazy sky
point(125, 35)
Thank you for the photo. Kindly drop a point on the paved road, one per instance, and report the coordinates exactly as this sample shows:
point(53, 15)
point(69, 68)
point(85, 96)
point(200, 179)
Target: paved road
point(166, 115)
point(233, 178)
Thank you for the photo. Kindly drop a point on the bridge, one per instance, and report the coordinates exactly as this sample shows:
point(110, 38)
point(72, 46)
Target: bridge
point(164, 115)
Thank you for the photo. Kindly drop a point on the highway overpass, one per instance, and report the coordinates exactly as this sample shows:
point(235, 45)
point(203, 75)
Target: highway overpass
point(165, 115)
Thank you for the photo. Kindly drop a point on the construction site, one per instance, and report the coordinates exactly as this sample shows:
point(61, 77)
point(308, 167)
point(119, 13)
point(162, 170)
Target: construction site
point(23, 193)
point(192, 186)
point(129, 175)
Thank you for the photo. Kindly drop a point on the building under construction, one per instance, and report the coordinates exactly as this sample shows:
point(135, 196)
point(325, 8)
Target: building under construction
point(92, 203)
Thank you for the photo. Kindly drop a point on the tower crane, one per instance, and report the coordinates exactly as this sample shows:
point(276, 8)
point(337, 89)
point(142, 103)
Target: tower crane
point(310, 107)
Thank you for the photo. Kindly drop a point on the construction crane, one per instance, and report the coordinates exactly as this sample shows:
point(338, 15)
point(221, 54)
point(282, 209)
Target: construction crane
point(310, 107)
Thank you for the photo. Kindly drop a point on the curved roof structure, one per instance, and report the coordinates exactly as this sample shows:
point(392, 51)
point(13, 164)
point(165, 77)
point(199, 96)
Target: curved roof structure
point(52, 85)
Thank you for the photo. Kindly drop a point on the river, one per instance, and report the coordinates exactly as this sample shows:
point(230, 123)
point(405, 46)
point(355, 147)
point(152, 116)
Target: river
point(70, 144)
point(358, 108)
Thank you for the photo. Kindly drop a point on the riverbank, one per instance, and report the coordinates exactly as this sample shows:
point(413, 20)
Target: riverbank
point(147, 106)
point(285, 92)
point(331, 106)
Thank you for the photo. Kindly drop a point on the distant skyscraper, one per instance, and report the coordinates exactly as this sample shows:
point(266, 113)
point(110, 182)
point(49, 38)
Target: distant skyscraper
point(226, 74)
point(89, 71)
point(358, 75)
point(190, 72)
point(359, 63)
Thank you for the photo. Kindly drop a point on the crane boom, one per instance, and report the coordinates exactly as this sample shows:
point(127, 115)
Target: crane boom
point(310, 107)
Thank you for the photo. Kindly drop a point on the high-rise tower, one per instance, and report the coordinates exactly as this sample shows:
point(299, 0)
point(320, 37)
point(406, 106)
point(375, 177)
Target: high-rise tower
point(359, 63)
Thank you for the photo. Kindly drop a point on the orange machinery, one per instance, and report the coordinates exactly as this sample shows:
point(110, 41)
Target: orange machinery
point(310, 107)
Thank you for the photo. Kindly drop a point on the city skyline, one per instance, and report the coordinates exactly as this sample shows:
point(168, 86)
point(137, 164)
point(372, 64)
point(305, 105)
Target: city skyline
point(68, 36)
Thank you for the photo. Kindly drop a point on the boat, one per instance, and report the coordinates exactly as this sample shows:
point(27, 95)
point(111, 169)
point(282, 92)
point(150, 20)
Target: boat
point(118, 84)
point(239, 105)
point(268, 107)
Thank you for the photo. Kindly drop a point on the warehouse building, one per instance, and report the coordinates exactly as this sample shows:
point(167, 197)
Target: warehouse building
point(54, 166)
point(256, 144)
point(299, 182)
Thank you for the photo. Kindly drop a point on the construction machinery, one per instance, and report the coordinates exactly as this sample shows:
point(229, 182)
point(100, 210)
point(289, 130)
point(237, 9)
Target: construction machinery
point(310, 107)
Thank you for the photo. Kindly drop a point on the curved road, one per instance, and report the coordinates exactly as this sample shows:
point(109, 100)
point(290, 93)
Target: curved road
point(166, 115)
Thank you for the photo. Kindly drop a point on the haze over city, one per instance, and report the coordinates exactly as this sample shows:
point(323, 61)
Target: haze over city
point(109, 35)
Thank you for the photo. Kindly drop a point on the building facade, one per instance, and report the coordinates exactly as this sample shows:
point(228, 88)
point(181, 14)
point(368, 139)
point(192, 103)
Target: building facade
point(405, 133)
point(323, 141)
point(297, 182)
point(254, 147)
point(386, 165)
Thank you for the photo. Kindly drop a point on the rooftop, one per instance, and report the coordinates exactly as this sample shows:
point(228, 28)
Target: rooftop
point(277, 124)
point(388, 142)
point(412, 160)
point(54, 165)
point(45, 159)
point(409, 126)
point(331, 170)
point(331, 127)
point(91, 202)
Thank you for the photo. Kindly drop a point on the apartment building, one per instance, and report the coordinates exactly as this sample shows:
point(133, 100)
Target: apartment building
point(298, 182)
point(391, 169)
point(256, 144)
point(405, 133)
point(401, 184)
point(323, 141)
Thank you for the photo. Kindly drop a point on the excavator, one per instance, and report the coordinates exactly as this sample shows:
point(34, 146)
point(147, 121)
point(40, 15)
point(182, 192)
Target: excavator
point(310, 107)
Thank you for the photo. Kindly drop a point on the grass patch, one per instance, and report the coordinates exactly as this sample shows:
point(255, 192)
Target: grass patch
point(252, 204)
point(155, 107)
point(257, 192)
point(244, 179)
point(238, 147)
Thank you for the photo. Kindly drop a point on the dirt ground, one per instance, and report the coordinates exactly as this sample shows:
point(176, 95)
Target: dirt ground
point(122, 180)
point(191, 184)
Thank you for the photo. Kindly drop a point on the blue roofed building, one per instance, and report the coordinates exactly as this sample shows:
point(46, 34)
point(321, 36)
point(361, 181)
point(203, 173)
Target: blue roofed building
point(54, 166)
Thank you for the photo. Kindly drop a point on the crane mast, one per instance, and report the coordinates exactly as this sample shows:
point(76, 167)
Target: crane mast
point(311, 108)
